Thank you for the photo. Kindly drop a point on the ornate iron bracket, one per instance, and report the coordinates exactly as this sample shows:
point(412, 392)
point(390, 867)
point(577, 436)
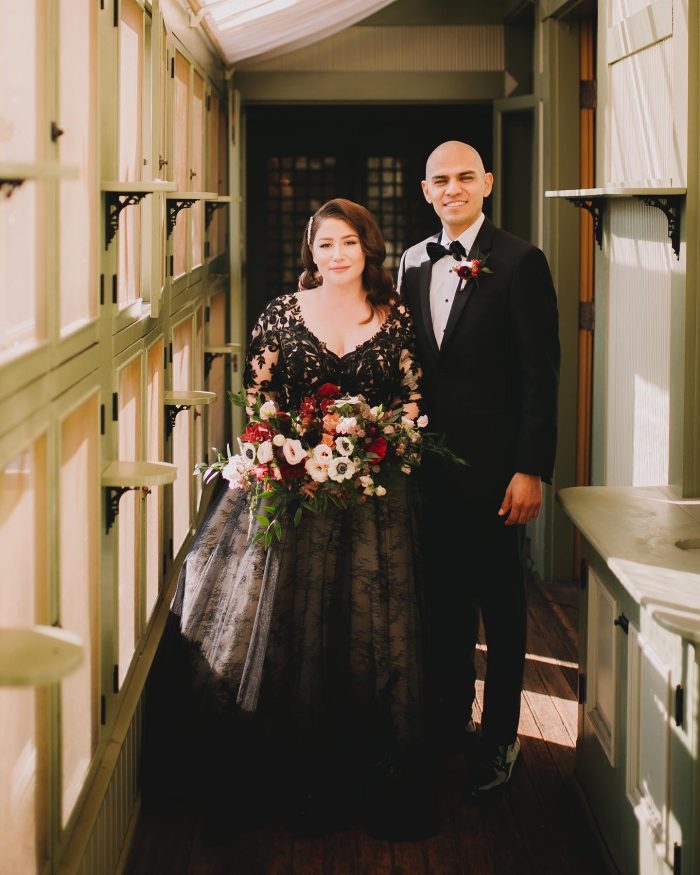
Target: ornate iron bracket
point(115, 201)
point(210, 207)
point(596, 207)
point(113, 494)
point(7, 186)
point(171, 412)
point(670, 206)
point(174, 207)
point(209, 361)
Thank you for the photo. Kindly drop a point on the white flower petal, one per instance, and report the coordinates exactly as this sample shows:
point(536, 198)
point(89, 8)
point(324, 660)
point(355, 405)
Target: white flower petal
point(293, 451)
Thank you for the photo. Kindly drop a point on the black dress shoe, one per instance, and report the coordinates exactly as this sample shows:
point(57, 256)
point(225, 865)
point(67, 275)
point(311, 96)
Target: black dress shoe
point(494, 771)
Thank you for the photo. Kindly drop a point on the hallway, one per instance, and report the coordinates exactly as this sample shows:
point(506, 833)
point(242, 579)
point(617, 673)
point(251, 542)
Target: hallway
point(538, 828)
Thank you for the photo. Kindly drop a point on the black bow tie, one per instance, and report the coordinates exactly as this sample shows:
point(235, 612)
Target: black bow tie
point(436, 251)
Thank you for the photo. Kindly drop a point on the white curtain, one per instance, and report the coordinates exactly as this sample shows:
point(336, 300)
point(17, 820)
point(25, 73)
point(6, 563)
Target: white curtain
point(265, 28)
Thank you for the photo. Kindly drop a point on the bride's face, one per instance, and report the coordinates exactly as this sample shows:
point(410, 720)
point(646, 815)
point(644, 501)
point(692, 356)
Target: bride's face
point(338, 253)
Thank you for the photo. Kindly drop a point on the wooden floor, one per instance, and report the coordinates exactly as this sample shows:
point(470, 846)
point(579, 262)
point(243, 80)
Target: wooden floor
point(536, 828)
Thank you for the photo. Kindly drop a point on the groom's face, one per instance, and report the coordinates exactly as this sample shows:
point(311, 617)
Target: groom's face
point(456, 186)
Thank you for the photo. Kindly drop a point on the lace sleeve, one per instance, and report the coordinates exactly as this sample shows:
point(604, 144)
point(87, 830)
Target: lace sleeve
point(262, 359)
point(411, 373)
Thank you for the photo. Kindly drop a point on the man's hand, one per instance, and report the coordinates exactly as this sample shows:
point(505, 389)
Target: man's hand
point(522, 500)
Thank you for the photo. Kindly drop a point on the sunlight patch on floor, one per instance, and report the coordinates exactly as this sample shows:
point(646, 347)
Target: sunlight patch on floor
point(536, 657)
point(544, 717)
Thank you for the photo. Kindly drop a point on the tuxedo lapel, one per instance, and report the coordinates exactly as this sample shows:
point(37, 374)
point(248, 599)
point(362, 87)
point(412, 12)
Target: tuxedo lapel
point(426, 272)
point(482, 245)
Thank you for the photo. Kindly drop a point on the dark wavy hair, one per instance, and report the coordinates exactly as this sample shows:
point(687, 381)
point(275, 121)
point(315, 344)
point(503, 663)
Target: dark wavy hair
point(376, 279)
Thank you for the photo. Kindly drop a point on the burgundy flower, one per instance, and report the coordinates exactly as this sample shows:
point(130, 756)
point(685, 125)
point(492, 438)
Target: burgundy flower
point(284, 423)
point(312, 435)
point(292, 472)
point(308, 408)
point(473, 269)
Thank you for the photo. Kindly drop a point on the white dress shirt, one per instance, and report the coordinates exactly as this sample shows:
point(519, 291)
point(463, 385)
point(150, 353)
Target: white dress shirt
point(443, 284)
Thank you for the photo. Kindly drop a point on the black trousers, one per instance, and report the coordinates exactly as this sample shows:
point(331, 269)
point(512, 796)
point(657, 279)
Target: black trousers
point(473, 568)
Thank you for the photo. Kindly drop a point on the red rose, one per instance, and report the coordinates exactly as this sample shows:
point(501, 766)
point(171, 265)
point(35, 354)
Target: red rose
point(328, 391)
point(378, 448)
point(475, 267)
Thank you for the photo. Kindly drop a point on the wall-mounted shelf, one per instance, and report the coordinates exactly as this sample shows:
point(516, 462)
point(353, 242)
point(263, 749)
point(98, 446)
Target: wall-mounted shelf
point(119, 477)
point(37, 656)
point(594, 200)
point(212, 204)
point(182, 200)
point(119, 195)
point(178, 401)
point(13, 175)
point(213, 352)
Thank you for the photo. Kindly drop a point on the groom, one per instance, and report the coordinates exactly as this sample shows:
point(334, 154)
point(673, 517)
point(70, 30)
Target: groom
point(489, 347)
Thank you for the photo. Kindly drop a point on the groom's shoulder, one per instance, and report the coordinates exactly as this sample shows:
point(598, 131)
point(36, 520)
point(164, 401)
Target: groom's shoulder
point(415, 255)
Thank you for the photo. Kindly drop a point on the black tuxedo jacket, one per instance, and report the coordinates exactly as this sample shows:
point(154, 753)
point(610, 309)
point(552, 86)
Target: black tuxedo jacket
point(491, 387)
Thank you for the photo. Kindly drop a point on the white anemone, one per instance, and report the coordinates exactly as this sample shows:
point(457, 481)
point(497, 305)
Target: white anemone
point(344, 446)
point(341, 469)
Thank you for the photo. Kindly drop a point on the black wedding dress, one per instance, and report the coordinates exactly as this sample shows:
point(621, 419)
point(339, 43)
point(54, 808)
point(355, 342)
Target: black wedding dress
point(317, 640)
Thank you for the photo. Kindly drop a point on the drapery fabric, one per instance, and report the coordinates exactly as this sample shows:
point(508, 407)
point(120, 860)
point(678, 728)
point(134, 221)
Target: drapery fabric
point(265, 28)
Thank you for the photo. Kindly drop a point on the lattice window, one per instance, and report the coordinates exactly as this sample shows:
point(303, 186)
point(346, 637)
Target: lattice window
point(296, 188)
point(385, 198)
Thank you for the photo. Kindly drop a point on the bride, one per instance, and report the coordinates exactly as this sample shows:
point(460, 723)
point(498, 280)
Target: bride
point(321, 634)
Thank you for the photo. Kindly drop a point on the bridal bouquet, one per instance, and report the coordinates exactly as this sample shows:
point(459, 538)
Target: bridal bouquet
point(335, 450)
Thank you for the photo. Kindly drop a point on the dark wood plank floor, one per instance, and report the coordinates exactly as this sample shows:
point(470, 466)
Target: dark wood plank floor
point(536, 828)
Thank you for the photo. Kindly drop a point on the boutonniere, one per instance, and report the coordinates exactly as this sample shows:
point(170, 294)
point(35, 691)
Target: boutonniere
point(471, 270)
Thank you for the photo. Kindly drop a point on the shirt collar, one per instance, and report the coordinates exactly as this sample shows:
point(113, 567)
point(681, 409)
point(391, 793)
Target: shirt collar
point(466, 238)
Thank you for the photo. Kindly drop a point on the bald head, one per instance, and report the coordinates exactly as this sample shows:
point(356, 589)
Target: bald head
point(453, 151)
point(455, 185)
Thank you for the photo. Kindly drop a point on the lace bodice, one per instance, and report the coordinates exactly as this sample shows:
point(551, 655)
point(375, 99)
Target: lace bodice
point(286, 361)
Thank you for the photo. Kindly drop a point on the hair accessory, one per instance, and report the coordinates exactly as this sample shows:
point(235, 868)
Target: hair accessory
point(308, 231)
